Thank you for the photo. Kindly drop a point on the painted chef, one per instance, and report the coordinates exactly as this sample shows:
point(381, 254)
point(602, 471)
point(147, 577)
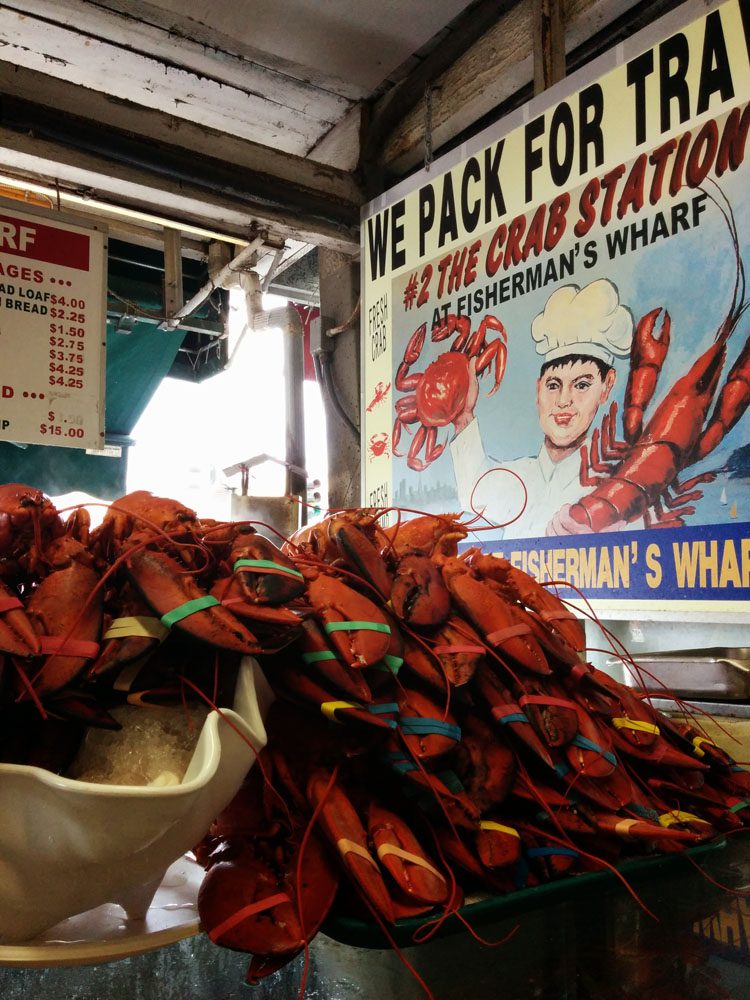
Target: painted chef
point(579, 335)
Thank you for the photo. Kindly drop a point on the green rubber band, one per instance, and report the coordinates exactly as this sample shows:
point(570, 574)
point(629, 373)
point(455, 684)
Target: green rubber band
point(353, 626)
point(266, 564)
point(739, 805)
point(316, 657)
point(188, 608)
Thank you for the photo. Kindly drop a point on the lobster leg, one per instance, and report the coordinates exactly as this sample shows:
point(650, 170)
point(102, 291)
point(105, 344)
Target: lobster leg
point(404, 381)
point(427, 437)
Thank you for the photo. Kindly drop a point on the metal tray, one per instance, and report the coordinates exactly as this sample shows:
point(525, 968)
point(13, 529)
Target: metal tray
point(718, 674)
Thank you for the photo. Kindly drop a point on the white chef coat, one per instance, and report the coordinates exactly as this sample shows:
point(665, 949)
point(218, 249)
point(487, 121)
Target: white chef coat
point(549, 484)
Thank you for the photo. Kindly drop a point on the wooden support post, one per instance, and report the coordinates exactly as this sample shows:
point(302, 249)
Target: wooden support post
point(549, 44)
point(172, 272)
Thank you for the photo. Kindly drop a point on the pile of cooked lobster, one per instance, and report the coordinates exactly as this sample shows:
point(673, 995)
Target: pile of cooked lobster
point(437, 729)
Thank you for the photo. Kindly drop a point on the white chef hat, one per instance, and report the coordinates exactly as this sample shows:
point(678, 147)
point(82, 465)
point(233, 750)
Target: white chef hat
point(587, 320)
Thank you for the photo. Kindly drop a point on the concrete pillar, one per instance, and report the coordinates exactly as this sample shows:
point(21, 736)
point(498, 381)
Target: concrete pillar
point(339, 295)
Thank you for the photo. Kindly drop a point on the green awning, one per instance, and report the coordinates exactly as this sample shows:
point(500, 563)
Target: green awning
point(136, 364)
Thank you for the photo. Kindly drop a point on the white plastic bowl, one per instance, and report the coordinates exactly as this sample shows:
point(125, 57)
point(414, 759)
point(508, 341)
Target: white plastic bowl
point(67, 846)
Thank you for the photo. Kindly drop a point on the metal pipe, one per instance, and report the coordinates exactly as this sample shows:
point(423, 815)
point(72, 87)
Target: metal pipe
point(294, 376)
point(213, 283)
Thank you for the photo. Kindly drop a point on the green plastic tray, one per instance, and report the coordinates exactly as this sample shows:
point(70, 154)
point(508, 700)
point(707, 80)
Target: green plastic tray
point(571, 888)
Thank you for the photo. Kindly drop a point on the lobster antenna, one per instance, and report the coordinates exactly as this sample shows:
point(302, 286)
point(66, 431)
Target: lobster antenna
point(738, 294)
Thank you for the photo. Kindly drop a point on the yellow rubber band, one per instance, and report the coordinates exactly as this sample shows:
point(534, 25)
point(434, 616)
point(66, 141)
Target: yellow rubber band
point(126, 676)
point(641, 727)
point(623, 828)
point(349, 847)
point(385, 849)
point(329, 708)
point(489, 824)
point(142, 625)
point(697, 740)
point(676, 816)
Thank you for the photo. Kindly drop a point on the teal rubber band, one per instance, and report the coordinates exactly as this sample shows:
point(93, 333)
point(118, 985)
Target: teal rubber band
point(451, 781)
point(513, 717)
point(425, 727)
point(353, 626)
point(188, 608)
point(739, 805)
point(562, 769)
point(316, 657)
point(586, 744)
point(403, 765)
point(384, 708)
point(266, 564)
point(643, 811)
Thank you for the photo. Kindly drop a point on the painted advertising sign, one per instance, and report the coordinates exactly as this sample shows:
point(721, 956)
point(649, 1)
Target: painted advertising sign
point(555, 324)
point(52, 326)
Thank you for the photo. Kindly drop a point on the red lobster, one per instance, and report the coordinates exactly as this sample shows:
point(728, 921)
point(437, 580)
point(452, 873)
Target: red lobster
point(438, 394)
point(638, 477)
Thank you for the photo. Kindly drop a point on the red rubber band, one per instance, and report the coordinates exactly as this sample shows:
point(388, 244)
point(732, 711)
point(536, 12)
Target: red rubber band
point(552, 616)
point(57, 644)
point(9, 604)
point(247, 911)
point(495, 638)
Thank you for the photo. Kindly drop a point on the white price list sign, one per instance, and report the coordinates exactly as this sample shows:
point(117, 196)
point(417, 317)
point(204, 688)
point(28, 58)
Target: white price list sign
point(52, 329)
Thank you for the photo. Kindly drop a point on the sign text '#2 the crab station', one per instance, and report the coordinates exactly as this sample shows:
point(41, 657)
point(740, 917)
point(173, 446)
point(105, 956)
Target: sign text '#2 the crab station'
point(649, 97)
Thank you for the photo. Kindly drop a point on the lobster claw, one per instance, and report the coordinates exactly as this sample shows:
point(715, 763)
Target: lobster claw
point(506, 711)
point(66, 611)
point(265, 574)
point(17, 635)
point(427, 730)
point(403, 858)
point(418, 595)
point(343, 828)
point(177, 598)
point(357, 628)
point(325, 665)
point(131, 633)
point(499, 621)
point(361, 555)
point(250, 904)
point(486, 764)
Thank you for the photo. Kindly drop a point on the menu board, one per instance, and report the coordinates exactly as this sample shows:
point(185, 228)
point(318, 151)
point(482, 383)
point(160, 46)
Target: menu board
point(52, 328)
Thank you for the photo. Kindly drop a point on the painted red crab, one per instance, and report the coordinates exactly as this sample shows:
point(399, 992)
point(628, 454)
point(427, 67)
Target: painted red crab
point(438, 394)
point(378, 444)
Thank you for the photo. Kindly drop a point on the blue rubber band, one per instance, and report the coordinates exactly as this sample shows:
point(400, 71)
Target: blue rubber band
point(586, 744)
point(415, 726)
point(547, 852)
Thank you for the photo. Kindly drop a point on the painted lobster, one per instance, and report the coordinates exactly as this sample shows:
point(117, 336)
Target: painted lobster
point(438, 394)
point(639, 477)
